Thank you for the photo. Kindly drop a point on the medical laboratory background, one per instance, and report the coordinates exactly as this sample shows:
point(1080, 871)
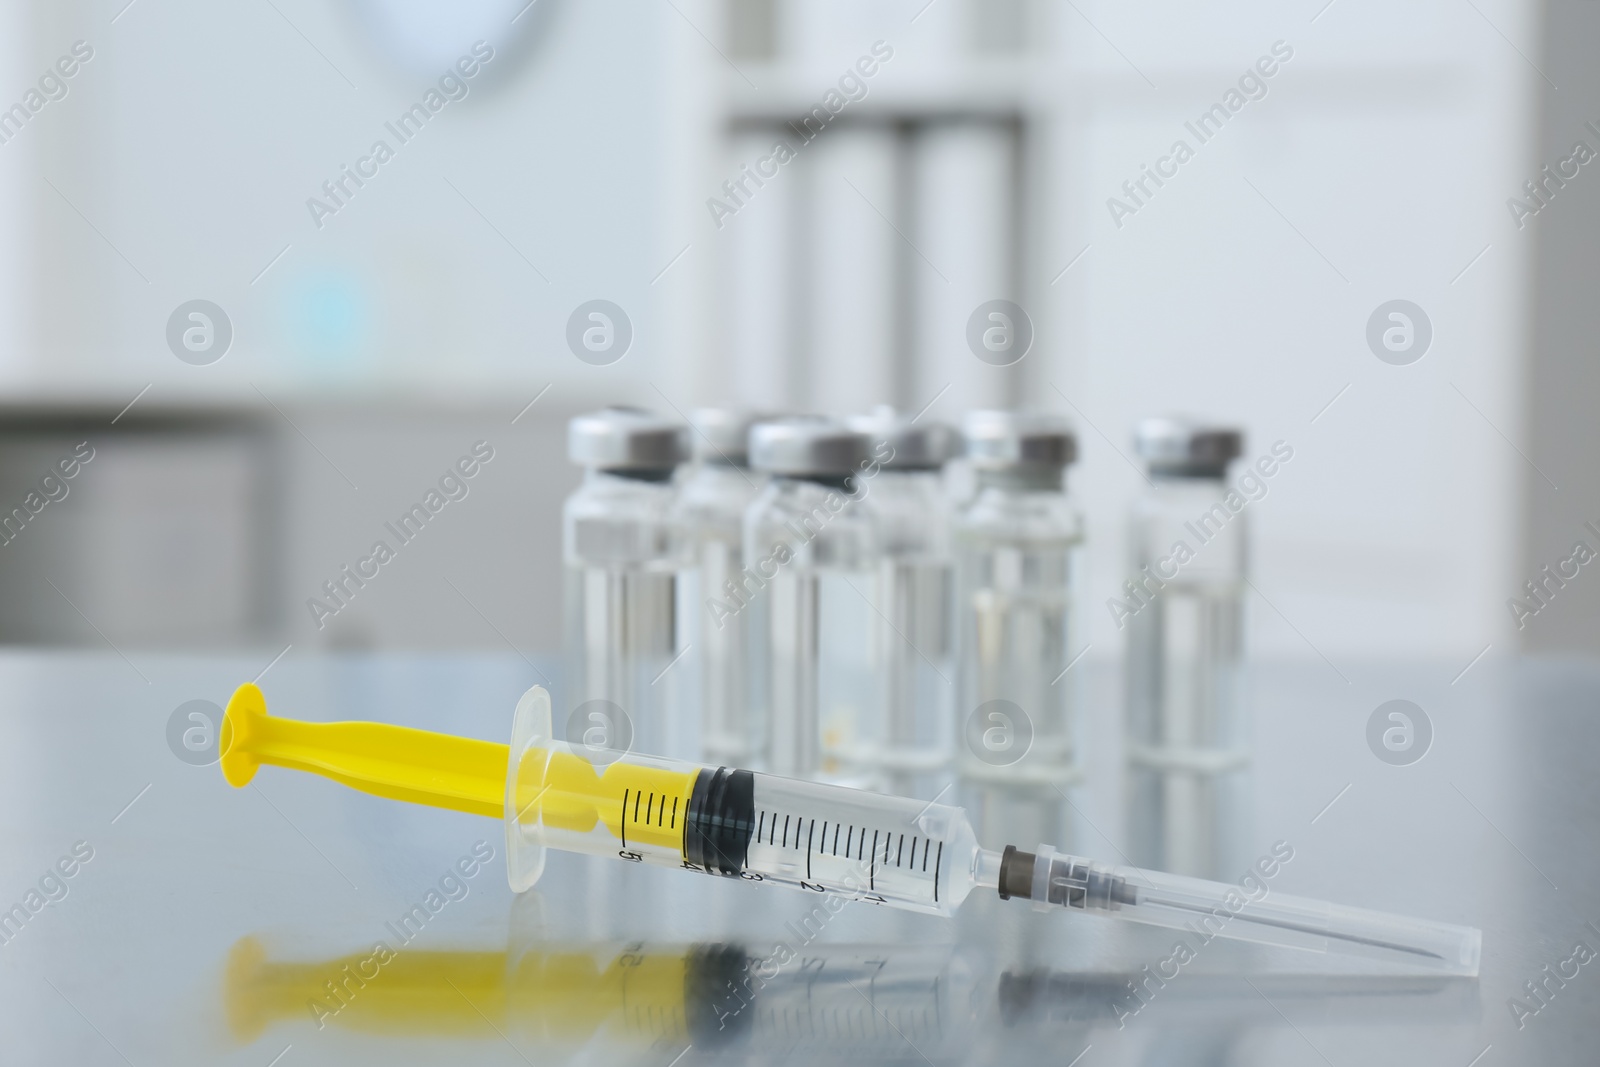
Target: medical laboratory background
point(677, 532)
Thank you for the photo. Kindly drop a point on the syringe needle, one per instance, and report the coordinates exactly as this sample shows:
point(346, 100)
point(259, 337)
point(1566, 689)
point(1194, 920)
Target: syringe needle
point(1249, 911)
point(1300, 927)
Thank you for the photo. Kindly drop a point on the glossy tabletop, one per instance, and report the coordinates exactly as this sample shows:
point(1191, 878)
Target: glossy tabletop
point(166, 918)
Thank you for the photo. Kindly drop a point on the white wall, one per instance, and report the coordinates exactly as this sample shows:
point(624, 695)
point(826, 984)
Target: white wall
point(17, 187)
point(1389, 143)
point(200, 131)
point(1374, 168)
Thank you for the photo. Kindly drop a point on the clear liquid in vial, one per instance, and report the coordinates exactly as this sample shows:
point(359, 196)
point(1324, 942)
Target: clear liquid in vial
point(821, 680)
point(1187, 756)
point(625, 634)
point(915, 648)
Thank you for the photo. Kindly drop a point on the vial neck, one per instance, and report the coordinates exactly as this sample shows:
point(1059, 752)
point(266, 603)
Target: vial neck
point(844, 483)
point(1024, 479)
point(725, 475)
point(646, 475)
point(1187, 474)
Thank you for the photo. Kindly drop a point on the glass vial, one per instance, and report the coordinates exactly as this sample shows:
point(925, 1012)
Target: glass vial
point(1186, 743)
point(811, 560)
point(912, 743)
point(622, 557)
point(1018, 544)
point(712, 501)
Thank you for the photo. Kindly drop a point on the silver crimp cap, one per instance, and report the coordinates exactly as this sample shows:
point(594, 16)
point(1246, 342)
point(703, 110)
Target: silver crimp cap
point(808, 446)
point(1013, 440)
point(722, 436)
point(910, 445)
point(1179, 447)
point(628, 439)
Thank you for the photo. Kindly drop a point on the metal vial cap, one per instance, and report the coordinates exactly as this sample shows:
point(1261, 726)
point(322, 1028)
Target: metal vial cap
point(626, 439)
point(1007, 440)
point(925, 446)
point(808, 446)
point(1179, 447)
point(722, 436)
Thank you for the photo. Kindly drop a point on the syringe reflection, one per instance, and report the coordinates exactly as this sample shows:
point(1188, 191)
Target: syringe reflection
point(711, 995)
point(894, 1003)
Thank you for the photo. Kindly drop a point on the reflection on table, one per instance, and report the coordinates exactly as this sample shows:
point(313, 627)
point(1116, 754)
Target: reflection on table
point(883, 1003)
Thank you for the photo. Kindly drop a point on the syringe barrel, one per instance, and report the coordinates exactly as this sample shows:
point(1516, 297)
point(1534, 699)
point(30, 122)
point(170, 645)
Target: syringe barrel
point(871, 847)
point(1248, 911)
point(824, 839)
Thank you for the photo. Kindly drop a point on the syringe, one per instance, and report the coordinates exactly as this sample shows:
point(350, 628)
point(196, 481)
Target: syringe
point(825, 839)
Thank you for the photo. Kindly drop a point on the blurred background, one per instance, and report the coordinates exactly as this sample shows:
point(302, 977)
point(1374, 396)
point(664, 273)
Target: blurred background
point(377, 328)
